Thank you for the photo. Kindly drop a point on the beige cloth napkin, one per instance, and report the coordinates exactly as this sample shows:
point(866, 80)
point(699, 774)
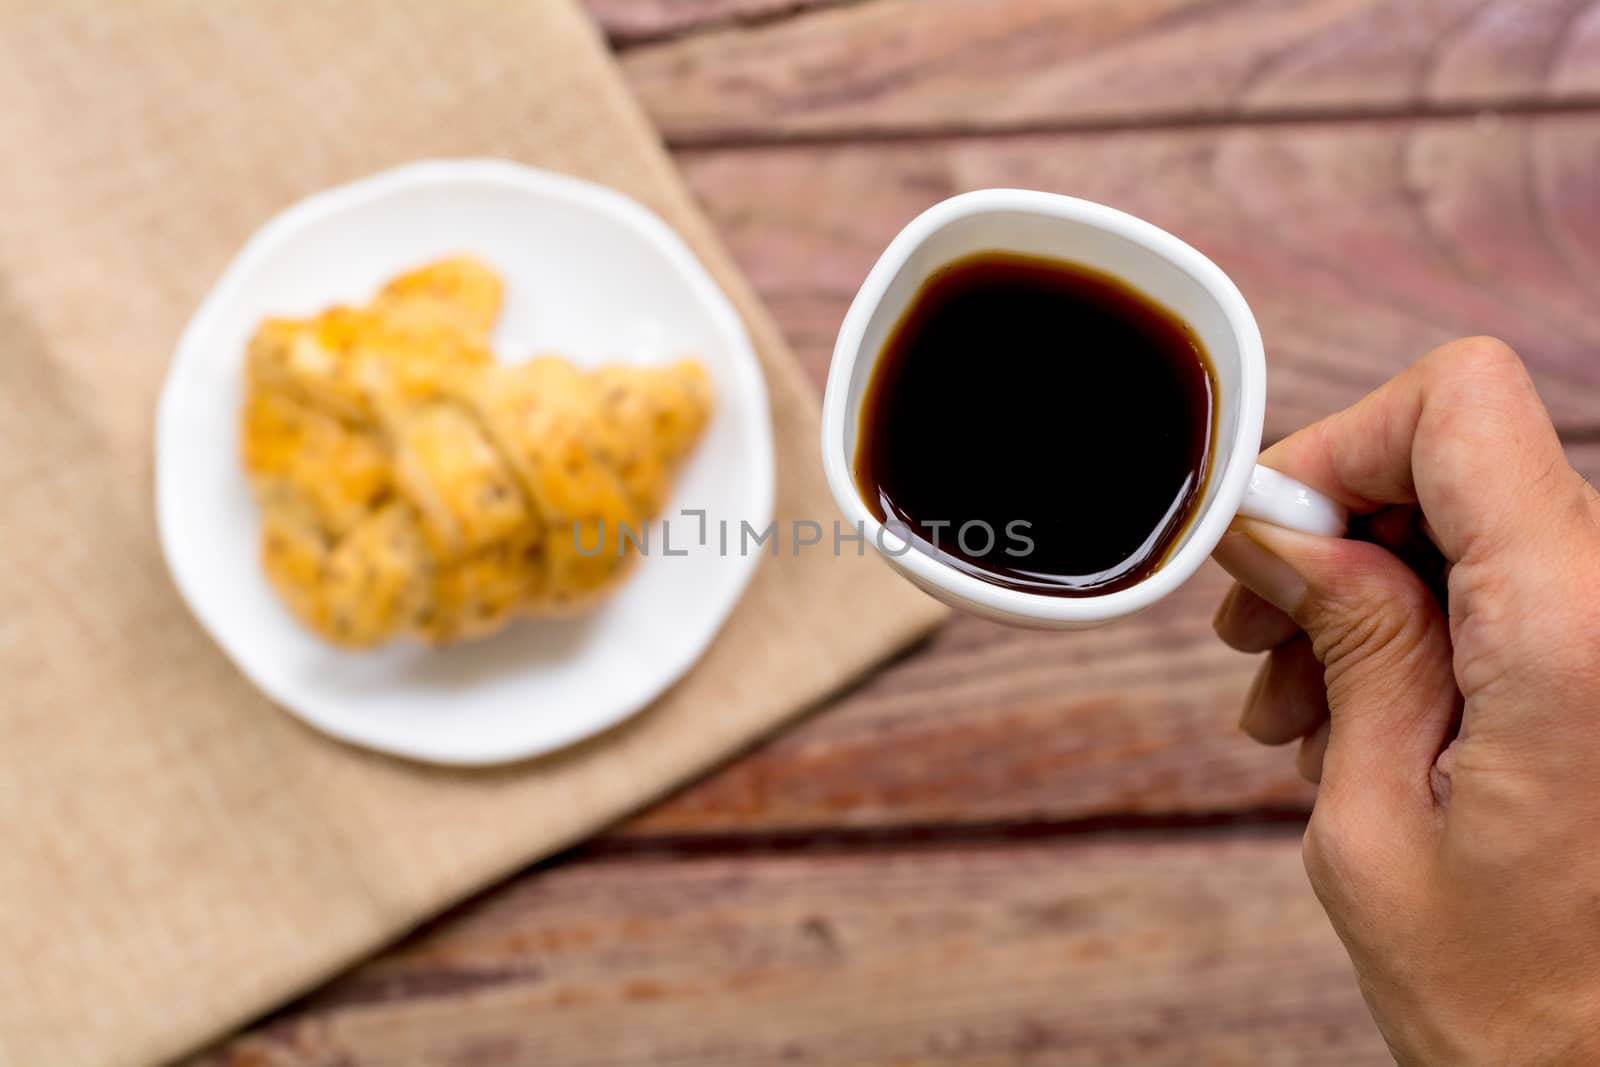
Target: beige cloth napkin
point(176, 855)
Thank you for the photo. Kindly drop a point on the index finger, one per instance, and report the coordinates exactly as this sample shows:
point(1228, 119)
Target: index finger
point(1461, 432)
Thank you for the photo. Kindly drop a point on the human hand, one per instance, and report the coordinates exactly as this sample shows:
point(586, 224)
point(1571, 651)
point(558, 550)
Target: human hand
point(1455, 839)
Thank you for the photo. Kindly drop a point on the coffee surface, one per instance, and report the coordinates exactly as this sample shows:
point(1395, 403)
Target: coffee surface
point(1039, 424)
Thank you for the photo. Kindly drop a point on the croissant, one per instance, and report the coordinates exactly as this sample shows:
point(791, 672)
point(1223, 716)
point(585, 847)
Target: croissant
point(409, 485)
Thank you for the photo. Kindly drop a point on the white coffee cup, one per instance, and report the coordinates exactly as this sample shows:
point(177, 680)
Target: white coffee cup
point(1155, 263)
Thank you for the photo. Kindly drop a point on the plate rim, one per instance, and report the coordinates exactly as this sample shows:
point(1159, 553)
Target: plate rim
point(187, 356)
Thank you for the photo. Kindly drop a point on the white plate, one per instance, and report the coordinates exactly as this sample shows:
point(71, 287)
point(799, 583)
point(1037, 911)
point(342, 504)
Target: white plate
point(590, 274)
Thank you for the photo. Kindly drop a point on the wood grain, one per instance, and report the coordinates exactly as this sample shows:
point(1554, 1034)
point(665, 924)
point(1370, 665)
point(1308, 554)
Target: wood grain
point(898, 66)
point(1360, 245)
point(974, 920)
point(629, 22)
point(1207, 950)
point(994, 727)
point(1585, 458)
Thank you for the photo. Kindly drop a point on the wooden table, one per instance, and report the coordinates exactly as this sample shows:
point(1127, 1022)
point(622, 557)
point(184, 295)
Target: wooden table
point(1010, 847)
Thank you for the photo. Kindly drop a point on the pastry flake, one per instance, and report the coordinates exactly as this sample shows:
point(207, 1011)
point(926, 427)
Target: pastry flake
point(410, 486)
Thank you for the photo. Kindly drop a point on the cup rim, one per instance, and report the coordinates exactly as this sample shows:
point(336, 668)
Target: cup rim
point(1236, 458)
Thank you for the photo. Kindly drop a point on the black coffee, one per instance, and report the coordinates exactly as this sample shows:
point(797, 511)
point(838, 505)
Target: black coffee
point(1038, 424)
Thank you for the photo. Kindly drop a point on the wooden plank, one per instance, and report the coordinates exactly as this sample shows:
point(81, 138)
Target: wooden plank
point(892, 66)
point(1360, 245)
point(628, 22)
point(1181, 952)
point(990, 725)
point(1586, 458)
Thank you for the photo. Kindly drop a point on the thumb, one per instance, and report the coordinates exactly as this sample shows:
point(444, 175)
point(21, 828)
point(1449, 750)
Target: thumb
point(1384, 645)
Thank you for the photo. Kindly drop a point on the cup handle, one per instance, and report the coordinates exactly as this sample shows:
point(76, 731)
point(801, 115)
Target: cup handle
point(1279, 499)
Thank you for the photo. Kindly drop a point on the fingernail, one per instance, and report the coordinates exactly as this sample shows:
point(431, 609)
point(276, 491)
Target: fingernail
point(1263, 573)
